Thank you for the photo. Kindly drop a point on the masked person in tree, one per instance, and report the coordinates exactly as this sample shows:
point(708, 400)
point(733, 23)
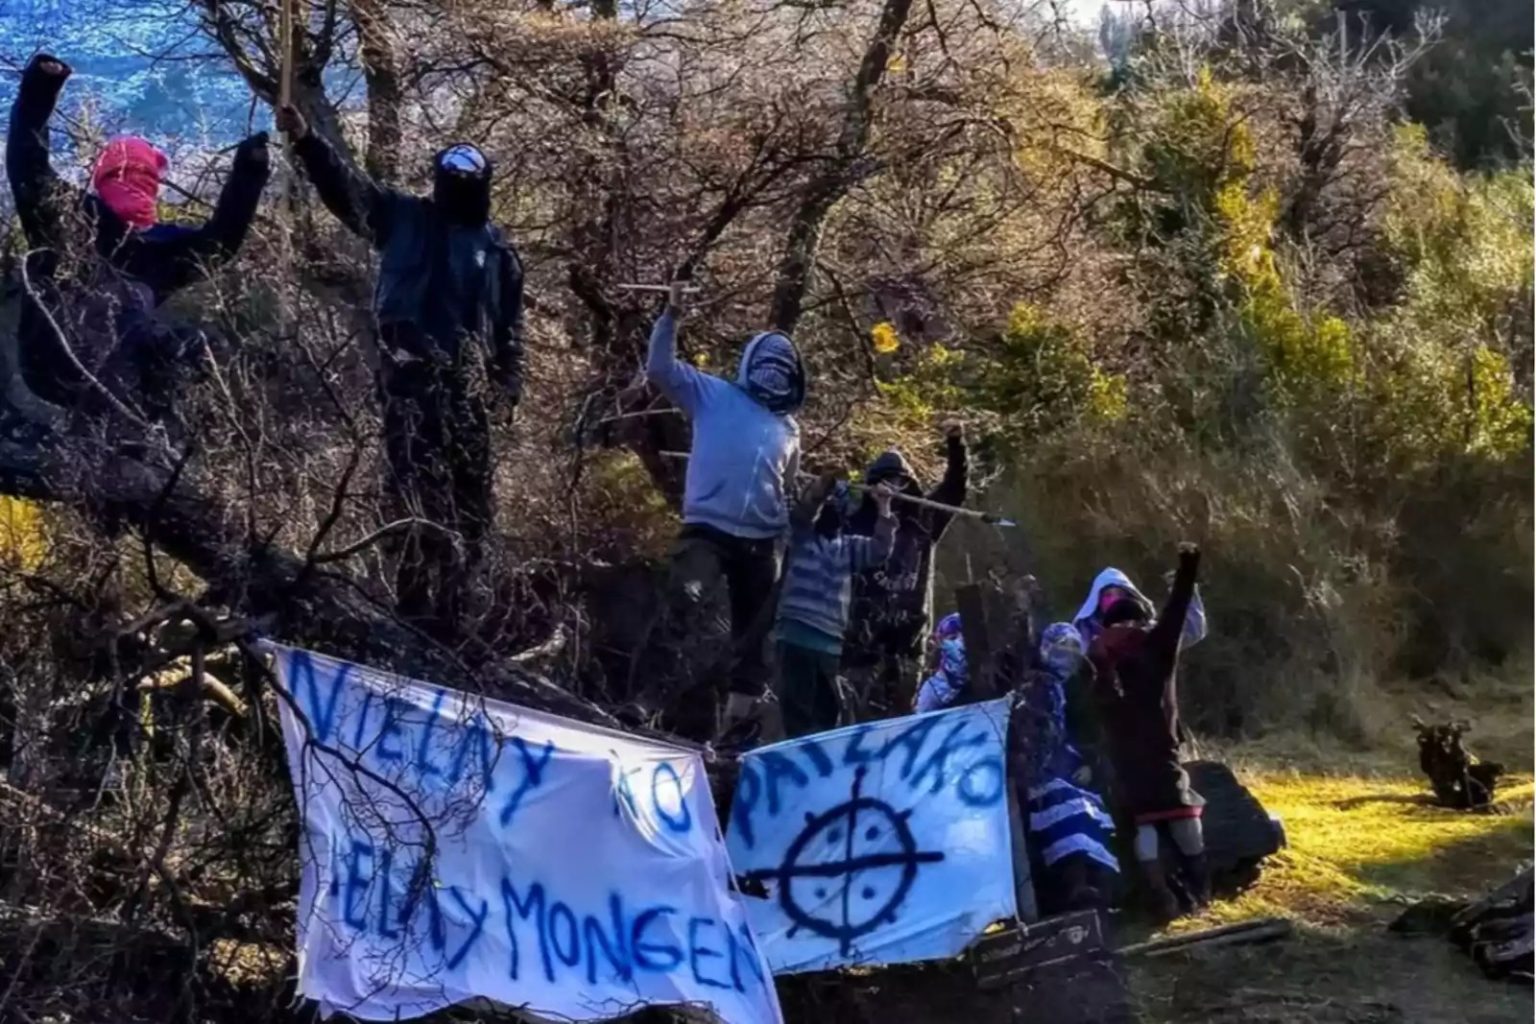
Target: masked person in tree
point(449, 309)
point(1136, 661)
point(101, 262)
point(893, 602)
point(746, 449)
point(814, 599)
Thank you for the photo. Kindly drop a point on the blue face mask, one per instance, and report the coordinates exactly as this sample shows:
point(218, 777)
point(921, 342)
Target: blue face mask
point(1061, 649)
point(772, 376)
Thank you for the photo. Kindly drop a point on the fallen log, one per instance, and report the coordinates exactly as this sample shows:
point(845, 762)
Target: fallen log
point(302, 601)
point(1264, 929)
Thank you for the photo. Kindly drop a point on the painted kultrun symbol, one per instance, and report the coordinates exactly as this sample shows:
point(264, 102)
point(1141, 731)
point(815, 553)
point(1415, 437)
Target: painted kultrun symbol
point(849, 869)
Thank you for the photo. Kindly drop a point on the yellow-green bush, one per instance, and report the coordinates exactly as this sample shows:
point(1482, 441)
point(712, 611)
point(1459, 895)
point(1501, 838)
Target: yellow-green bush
point(23, 533)
point(1358, 471)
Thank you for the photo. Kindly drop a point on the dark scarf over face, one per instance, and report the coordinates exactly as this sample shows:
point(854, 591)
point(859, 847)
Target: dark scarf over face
point(1116, 644)
point(461, 185)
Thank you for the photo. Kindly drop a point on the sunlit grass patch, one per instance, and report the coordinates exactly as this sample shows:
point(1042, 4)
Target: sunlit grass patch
point(1359, 842)
point(1362, 847)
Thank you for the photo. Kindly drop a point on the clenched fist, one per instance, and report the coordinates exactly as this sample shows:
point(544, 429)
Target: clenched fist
point(291, 123)
point(48, 64)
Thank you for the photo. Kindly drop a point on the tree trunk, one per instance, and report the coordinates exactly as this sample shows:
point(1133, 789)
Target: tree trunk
point(841, 172)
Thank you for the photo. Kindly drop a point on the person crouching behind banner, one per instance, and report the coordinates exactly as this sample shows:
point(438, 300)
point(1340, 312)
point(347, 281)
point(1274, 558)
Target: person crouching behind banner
point(946, 686)
point(1136, 662)
point(814, 599)
point(746, 446)
point(1069, 829)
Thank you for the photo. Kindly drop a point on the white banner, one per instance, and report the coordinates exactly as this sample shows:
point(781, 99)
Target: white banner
point(880, 843)
point(458, 849)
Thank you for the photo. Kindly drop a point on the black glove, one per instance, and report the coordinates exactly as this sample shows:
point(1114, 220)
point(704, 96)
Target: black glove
point(44, 77)
point(1189, 557)
point(49, 65)
point(252, 152)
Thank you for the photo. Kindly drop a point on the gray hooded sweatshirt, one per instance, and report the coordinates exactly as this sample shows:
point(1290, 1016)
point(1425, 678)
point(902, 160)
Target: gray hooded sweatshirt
point(743, 452)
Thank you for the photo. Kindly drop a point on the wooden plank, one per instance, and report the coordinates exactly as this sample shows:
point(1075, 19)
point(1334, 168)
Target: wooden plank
point(1023, 877)
point(1004, 959)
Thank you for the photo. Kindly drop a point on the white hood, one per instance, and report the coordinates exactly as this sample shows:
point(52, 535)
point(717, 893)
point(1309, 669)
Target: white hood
point(1110, 577)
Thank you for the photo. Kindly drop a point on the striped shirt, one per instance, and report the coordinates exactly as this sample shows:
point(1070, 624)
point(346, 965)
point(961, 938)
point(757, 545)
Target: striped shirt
point(818, 580)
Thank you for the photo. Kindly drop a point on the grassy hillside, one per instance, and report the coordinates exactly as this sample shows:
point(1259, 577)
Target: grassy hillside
point(1365, 841)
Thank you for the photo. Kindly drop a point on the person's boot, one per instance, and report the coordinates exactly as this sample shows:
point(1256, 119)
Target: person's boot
point(1077, 885)
point(1162, 904)
point(1197, 879)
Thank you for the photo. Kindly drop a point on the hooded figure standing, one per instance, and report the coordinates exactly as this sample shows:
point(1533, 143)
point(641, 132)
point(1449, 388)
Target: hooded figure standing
point(101, 263)
point(449, 310)
point(893, 601)
point(1109, 587)
point(745, 453)
point(1136, 660)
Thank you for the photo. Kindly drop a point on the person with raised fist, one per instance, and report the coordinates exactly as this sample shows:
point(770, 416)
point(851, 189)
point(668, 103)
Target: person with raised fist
point(1136, 660)
point(449, 310)
point(893, 600)
point(743, 462)
point(101, 261)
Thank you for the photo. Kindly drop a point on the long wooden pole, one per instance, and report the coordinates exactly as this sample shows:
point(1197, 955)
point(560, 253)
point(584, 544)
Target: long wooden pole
point(911, 499)
point(285, 43)
point(289, 206)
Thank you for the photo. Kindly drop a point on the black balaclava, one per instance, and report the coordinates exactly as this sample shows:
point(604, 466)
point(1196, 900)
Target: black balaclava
point(461, 184)
point(1126, 610)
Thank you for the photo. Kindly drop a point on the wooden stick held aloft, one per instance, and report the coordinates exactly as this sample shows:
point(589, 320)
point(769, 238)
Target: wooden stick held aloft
point(990, 518)
point(285, 43)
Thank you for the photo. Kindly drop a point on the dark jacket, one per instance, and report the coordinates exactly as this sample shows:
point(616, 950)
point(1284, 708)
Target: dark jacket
point(892, 603)
point(1137, 693)
point(438, 281)
point(142, 268)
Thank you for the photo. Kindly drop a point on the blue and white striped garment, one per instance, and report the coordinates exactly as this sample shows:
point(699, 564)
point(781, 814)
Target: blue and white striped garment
point(1065, 819)
point(818, 579)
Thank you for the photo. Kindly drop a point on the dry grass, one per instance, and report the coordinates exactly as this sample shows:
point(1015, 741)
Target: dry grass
point(1363, 844)
point(1360, 843)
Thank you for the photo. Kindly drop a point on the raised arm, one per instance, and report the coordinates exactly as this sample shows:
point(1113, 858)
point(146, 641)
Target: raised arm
point(686, 385)
point(358, 201)
point(507, 335)
point(952, 488)
point(1170, 623)
point(189, 255)
point(39, 192)
point(868, 552)
point(1195, 625)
